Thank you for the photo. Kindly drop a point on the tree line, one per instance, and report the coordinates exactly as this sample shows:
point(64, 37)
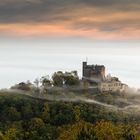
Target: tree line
point(58, 79)
point(31, 119)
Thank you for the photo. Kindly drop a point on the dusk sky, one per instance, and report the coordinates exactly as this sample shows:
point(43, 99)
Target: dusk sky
point(94, 19)
point(38, 37)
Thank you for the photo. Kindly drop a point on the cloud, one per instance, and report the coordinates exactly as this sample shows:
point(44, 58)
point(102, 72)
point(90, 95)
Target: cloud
point(46, 10)
point(70, 18)
point(60, 31)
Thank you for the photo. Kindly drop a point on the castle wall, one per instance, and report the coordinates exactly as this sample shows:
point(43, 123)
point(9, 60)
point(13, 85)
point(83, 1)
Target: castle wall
point(111, 86)
point(93, 71)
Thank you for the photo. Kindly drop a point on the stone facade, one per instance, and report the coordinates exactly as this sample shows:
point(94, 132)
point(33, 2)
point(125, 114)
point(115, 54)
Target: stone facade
point(112, 86)
point(93, 72)
point(95, 75)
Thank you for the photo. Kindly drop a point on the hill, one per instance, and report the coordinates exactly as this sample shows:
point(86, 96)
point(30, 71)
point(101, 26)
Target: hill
point(70, 114)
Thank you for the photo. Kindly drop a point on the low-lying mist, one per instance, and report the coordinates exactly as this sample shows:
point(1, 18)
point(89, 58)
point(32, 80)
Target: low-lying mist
point(128, 102)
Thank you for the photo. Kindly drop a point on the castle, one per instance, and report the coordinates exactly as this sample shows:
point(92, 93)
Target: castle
point(93, 72)
point(97, 74)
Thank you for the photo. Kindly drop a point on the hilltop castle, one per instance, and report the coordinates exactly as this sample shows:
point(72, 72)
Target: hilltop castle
point(97, 74)
point(93, 72)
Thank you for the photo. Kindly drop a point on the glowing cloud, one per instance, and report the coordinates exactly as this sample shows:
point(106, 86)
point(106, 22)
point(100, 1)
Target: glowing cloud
point(98, 20)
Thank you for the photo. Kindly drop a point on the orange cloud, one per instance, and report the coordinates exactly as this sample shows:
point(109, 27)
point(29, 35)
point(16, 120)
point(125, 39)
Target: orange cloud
point(108, 20)
point(43, 30)
point(111, 26)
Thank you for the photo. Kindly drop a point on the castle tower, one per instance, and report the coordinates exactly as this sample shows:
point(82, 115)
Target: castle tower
point(84, 68)
point(94, 72)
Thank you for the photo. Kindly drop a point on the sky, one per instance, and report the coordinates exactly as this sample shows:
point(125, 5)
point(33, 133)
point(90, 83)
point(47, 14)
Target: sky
point(27, 59)
point(38, 37)
point(94, 19)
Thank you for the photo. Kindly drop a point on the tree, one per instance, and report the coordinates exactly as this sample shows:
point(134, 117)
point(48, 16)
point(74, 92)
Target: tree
point(46, 112)
point(77, 113)
point(130, 133)
point(61, 113)
point(26, 111)
point(36, 124)
point(36, 82)
point(106, 130)
point(38, 130)
point(86, 133)
point(11, 134)
point(78, 131)
point(45, 81)
point(11, 114)
point(2, 136)
point(22, 86)
point(58, 79)
point(71, 79)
